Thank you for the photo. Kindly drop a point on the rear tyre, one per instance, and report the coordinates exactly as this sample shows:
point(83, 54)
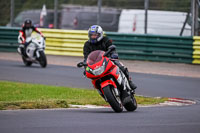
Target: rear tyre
point(42, 59)
point(26, 63)
point(112, 99)
point(132, 105)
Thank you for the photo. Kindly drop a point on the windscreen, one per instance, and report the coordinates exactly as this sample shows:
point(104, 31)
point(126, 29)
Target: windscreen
point(95, 57)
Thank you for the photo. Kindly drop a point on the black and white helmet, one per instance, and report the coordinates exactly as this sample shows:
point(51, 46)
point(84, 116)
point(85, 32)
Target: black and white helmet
point(27, 23)
point(95, 33)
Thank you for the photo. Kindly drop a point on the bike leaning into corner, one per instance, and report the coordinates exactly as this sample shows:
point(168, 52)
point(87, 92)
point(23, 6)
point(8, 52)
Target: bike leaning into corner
point(109, 80)
point(34, 51)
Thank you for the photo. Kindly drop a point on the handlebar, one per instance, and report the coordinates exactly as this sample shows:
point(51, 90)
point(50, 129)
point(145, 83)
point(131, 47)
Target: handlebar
point(110, 49)
point(107, 53)
point(81, 64)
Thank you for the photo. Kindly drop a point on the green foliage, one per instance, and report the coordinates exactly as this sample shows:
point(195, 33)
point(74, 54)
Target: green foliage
point(24, 95)
point(4, 12)
point(171, 5)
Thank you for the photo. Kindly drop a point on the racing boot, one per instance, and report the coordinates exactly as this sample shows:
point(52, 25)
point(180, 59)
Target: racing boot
point(132, 85)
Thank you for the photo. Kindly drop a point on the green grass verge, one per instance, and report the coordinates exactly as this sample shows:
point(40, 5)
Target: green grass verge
point(15, 95)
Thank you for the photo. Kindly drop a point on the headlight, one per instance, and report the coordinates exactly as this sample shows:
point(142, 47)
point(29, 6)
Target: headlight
point(99, 70)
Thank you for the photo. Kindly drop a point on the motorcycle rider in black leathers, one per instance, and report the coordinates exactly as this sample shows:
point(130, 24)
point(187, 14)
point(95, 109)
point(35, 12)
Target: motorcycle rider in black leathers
point(99, 42)
point(25, 32)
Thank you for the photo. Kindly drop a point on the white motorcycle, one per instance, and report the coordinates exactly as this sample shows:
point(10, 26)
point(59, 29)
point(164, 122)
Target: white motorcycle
point(34, 51)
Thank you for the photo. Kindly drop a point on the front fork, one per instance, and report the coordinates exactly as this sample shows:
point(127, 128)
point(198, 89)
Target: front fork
point(38, 52)
point(103, 84)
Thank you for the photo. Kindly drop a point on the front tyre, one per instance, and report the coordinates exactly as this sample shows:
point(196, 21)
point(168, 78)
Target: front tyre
point(42, 59)
point(131, 105)
point(112, 99)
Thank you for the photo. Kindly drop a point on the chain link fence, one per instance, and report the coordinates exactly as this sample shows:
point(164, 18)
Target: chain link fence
point(13, 13)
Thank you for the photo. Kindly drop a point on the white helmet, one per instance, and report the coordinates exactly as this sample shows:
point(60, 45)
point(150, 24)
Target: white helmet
point(95, 33)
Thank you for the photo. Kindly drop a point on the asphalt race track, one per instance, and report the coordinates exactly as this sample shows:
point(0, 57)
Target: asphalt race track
point(148, 84)
point(168, 119)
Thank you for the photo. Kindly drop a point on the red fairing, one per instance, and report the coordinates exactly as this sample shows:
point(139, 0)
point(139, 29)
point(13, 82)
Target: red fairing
point(99, 67)
point(115, 72)
point(95, 60)
point(108, 82)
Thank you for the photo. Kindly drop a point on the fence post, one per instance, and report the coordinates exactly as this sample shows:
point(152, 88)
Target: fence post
point(194, 13)
point(12, 12)
point(146, 6)
point(99, 12)
point(55, 13)
point(196, 17)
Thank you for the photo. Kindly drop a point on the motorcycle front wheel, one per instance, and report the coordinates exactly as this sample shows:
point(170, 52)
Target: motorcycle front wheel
point(26, 63)
point(42, 59)
point(113, 99)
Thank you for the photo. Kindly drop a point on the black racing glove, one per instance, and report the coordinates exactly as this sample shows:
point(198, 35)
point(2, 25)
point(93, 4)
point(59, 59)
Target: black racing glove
point(114, 56)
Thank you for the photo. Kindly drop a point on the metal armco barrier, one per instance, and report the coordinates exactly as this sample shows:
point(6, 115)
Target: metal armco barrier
point(196, 52)
point(153, 47)
point(8, 39)
point(64, 42)
point(129, 46)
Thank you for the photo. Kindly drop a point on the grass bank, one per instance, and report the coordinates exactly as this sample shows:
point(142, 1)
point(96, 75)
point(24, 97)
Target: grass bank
point(15, 95)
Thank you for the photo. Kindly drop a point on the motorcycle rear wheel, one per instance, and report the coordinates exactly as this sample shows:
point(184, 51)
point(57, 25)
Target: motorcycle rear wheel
point(26, 63)
point(112, 99)
point(132, 105)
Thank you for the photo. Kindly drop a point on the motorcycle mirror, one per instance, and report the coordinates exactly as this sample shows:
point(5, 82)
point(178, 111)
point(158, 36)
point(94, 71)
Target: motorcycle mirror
point(80, 64)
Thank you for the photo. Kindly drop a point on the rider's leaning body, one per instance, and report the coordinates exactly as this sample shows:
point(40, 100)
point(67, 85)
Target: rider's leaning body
point(99, 42)
point(25, 32)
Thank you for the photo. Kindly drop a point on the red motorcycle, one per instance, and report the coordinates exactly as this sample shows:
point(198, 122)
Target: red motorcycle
point(109, 80)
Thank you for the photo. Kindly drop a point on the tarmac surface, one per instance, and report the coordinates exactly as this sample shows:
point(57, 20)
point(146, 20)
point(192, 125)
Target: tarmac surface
point(160, 68)
point(153, 79)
